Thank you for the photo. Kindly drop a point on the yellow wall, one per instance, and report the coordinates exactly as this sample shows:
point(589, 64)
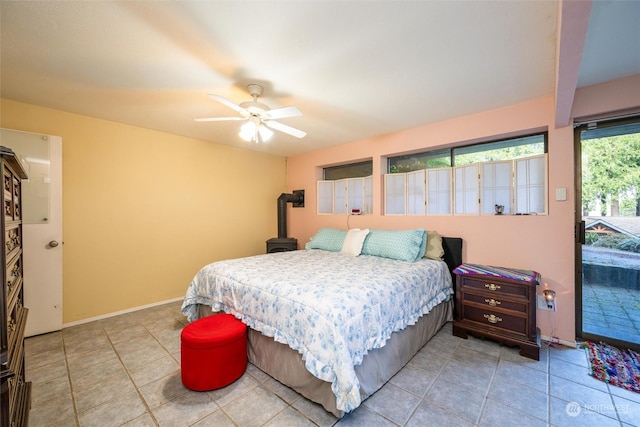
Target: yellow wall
point(143, 211)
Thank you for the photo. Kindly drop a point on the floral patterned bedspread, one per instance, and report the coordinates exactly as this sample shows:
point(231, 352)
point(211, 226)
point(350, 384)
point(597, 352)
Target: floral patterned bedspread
point(331, 307)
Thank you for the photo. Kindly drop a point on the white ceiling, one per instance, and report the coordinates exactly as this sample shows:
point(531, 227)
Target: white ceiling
point(355, 69)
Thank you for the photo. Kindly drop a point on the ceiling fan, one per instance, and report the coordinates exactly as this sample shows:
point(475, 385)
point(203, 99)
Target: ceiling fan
point(260, 118)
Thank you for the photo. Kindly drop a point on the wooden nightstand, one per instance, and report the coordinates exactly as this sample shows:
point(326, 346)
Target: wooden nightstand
point(498, 303)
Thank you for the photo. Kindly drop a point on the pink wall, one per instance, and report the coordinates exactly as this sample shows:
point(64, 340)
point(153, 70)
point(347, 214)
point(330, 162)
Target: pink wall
point(543, 243)
point(614, 96)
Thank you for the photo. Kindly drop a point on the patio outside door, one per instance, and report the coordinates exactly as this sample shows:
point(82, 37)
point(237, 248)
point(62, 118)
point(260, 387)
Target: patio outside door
point(608, 232)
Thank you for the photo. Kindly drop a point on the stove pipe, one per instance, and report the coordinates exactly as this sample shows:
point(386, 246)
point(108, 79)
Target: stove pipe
point(297, 198)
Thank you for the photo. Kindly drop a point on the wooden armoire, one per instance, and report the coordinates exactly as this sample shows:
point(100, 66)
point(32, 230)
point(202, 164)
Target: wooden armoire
point(15, 392)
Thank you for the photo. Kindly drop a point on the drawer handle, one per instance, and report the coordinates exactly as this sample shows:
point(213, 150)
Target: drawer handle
point(491, 286)
point(492, 318)
point(492, 302)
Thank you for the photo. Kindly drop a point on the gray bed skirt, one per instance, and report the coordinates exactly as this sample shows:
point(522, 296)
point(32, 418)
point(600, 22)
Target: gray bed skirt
point(378, 366)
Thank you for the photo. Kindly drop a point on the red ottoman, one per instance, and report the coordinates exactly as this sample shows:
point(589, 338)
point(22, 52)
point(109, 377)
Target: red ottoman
point(213, 352)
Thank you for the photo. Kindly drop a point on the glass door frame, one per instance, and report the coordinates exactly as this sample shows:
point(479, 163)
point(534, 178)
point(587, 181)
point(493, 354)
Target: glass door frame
point(579, 227)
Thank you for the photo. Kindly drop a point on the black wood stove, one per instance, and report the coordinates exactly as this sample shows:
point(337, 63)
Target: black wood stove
point(282, 243)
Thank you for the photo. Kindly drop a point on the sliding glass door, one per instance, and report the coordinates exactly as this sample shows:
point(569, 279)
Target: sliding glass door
point(608, 231)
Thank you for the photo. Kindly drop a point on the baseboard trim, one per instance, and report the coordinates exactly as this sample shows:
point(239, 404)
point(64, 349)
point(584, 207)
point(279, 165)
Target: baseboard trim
point(552, 340)
point(118, 313)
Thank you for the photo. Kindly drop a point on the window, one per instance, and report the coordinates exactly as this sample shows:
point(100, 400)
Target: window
point(506, 149)
point(351, 170)
point(346, 189)
point(470, 180)
point(418, 161)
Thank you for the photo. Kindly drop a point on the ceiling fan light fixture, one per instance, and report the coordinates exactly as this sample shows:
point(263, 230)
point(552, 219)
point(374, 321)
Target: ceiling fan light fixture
point(261, 120)
point(251, 131)
point(265, 133)
point(248, 131)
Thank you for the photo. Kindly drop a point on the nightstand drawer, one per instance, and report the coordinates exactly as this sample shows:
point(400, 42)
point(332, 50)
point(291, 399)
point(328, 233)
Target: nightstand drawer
point(508, 322)
point(496, 300)
point(489, 287)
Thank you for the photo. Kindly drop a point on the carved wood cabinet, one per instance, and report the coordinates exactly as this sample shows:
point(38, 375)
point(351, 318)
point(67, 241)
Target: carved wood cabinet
point(498, 303)
point(15, 392)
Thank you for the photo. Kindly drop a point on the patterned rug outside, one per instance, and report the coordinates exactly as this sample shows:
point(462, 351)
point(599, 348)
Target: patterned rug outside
point(613, 365)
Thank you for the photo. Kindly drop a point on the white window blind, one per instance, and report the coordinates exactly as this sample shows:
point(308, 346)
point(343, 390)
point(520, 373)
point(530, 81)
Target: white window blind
point(340, 188)
point(439, 191)
point(519, 185)
point(355, 194)
point(466, 189)
point(343, 195)
point(368, 195)
point(497, 184)
point(394, 190)
point(416, 188)
point(531, 185)
point(325, 197)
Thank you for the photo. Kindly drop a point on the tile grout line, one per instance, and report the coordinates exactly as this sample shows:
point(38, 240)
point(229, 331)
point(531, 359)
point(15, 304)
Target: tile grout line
point(144, 402)
point(613, 402)
point(76, 416)
point(549, 422)
point(486, 394)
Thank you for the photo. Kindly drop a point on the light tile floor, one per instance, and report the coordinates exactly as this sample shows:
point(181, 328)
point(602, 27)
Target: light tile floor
point(125, 371)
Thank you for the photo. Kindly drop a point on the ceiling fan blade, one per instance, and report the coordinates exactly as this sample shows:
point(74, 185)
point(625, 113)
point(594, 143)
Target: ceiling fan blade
point(286, 129)
point(281, 113)
point(218, 119)
point(225, 101)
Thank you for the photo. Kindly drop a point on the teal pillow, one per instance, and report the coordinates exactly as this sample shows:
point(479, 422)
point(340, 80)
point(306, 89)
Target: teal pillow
point(423, 243)
point(403, 245)
point(328, 239)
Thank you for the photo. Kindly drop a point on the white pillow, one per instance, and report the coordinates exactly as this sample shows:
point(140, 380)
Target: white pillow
point(353, 241)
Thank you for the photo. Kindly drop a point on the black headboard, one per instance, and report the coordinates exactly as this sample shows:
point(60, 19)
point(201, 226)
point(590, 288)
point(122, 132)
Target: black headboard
point(452, 254)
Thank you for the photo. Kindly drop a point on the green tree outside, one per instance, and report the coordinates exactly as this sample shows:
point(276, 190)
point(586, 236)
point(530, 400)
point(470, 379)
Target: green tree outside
point(611, 175)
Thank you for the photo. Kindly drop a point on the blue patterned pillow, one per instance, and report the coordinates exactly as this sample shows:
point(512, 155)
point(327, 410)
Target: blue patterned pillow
point(404, 245)
point(328, 239)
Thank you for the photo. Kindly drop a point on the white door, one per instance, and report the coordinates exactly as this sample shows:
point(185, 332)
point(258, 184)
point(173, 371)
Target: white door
point(41, 156)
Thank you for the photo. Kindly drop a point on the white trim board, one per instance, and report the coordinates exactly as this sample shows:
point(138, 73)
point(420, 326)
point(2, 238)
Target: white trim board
point(117, 313)
point(552, 340)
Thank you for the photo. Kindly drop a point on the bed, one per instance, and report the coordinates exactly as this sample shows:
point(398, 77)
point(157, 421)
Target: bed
point(332, 326)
